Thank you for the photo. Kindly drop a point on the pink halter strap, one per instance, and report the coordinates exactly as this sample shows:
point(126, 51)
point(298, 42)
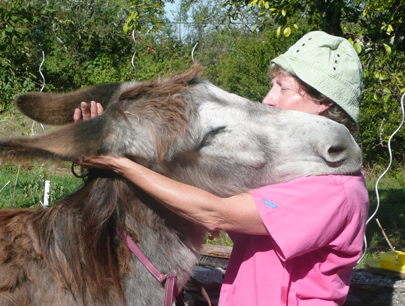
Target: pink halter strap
point(171, 291)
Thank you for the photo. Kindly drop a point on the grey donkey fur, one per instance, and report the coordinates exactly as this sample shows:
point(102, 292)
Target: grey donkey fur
point(182, 127)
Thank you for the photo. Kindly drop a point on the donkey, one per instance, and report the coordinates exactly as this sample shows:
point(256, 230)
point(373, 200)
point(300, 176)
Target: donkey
point(182, 127)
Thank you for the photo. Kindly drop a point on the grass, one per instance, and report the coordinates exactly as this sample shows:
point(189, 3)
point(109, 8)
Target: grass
point(25, 184)
point(391, 213)
point(26, 189)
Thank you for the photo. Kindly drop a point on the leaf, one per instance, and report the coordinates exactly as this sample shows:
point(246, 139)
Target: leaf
point(389, 29)
point(262, 14)
point(387, 48)
point(253, 3)
point(266, 5)
point(283, 12)
point(287, 31)
point(375, 96)
point(402, 90)
point(379, 75)
point(357, 47)
point(296, 26)
point(387, 91)
point(278, 31)
point(386, 98)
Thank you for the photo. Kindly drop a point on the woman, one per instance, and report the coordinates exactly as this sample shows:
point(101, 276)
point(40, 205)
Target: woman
point(294, 243)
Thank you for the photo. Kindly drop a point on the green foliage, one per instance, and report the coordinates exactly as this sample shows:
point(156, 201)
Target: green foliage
point(145, 12)
point(220, 238)
point(16, 18)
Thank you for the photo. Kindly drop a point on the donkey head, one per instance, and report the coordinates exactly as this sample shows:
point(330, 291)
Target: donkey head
point(189, 130)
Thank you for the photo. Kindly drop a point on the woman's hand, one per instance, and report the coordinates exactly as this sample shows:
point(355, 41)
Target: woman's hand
point(86, 113)
point(116, 164)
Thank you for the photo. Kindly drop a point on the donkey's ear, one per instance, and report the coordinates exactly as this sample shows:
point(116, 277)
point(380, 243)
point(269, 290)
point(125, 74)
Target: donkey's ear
point(58, 109)
point(68, 143)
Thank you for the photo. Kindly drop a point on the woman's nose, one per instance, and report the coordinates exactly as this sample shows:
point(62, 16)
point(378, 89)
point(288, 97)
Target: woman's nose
point(268, 100)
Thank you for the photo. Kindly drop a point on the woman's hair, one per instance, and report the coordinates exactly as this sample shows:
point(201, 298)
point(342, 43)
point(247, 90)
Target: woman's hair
point(334, 112)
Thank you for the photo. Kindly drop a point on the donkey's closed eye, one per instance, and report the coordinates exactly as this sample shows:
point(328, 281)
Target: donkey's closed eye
point(210, 136)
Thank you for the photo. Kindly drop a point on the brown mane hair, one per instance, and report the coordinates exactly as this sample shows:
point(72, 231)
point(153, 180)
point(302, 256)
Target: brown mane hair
point(162, 102)
point(72, 238)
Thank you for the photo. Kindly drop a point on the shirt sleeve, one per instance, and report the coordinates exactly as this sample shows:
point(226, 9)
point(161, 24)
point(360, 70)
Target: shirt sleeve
point(304, 214)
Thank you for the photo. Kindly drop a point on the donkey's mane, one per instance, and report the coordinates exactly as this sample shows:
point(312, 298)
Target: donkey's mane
point(72, 238)
point(162, 102)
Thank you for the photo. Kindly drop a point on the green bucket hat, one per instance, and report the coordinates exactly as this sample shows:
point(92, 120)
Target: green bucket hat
point(330, 65)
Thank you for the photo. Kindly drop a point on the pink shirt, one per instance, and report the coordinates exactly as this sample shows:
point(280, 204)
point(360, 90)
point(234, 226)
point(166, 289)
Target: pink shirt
point(316, 226)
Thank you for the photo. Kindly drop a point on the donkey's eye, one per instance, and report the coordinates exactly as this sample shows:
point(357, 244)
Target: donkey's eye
point(209, 137)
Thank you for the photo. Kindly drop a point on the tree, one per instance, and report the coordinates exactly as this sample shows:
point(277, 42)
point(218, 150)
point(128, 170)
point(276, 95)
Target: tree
point(146, 12)
point(17, 19)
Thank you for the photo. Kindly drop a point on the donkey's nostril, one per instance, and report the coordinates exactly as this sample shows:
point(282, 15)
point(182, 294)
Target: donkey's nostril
point(336, 150)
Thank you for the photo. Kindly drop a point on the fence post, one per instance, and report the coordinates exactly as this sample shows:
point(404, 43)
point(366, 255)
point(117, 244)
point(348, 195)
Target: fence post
point(46, 193)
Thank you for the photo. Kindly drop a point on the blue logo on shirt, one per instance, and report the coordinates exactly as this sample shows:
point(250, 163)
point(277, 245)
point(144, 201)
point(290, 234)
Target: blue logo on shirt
point(267, 202)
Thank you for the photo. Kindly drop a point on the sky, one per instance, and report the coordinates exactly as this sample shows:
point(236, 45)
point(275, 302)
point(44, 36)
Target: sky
point(170, 7)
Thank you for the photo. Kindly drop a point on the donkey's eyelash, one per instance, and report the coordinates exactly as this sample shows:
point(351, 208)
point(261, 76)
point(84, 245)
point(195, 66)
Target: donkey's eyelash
point(210, 136)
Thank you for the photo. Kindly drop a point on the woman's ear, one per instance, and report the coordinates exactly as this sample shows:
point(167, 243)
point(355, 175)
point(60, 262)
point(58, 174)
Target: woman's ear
point(324, 106)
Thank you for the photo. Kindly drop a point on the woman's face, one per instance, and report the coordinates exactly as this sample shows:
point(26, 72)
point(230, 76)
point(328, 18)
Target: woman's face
point(286, 93)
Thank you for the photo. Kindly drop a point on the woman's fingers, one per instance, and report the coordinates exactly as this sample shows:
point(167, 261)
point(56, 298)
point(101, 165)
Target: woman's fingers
point(77, 115)
point(85, 112)
point(100, 109)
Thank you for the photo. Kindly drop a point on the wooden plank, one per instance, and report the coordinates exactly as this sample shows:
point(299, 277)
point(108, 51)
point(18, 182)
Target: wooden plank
point(216, 250)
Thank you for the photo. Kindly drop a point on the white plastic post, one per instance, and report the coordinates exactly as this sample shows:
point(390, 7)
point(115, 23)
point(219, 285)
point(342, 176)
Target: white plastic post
point(46, 193)
point(5, 186)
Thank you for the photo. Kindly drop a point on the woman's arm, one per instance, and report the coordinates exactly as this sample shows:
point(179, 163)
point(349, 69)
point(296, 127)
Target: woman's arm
point(237, 213)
